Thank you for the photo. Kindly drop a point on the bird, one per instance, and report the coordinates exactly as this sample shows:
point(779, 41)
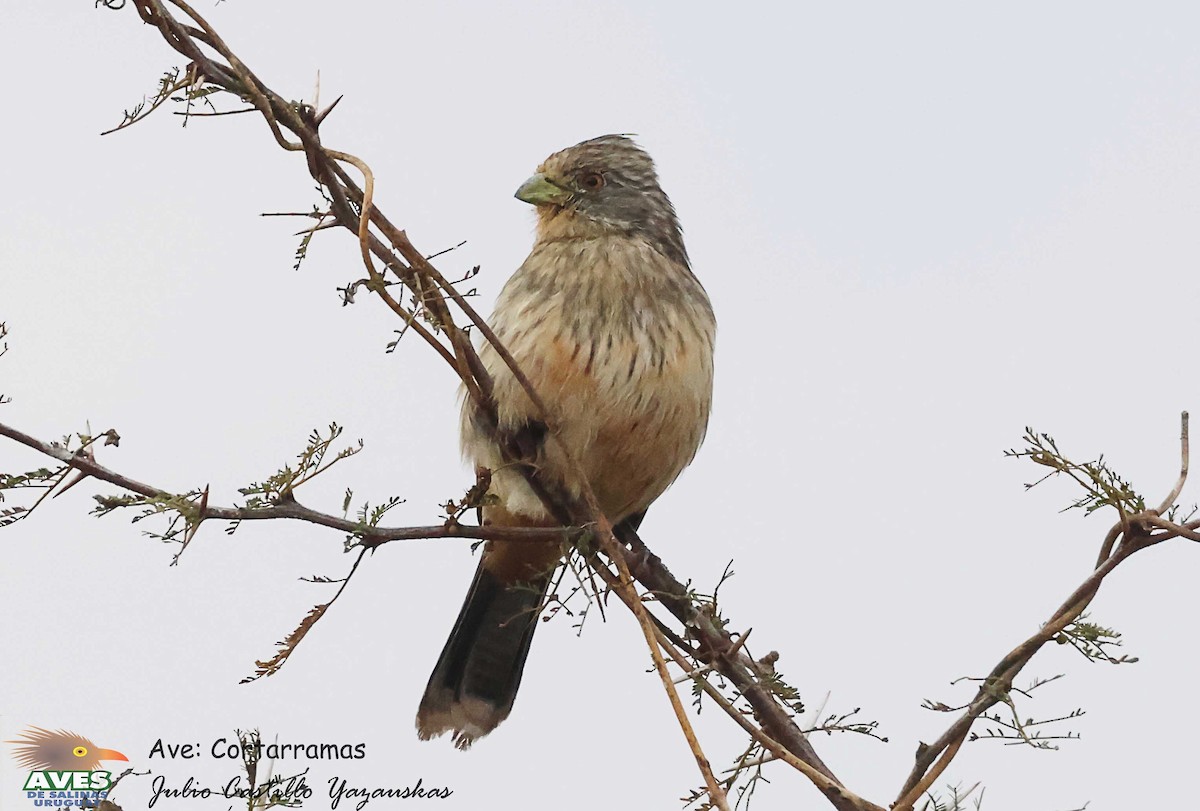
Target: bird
point(607, 321)
point(43, 750)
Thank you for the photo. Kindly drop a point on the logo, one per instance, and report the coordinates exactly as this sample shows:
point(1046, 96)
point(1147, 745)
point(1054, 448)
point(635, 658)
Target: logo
point(64, 768)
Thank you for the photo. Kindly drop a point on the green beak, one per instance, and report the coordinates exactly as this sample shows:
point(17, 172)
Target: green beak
point(540, 191)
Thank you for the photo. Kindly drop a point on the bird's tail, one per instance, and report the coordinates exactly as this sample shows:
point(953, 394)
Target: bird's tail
point(475, 681)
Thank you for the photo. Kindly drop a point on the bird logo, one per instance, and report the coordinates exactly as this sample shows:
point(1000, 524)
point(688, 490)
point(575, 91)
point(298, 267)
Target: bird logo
point(41, 750)
point(61, 761)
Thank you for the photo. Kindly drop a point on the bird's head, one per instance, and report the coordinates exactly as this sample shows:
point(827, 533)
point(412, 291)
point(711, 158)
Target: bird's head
point(603, 186)
point(44, 750)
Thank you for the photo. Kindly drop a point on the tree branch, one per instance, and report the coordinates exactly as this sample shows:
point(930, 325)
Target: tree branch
point(292, 510)
point(1184, 457)
point(998, 683)
point(1130, 534)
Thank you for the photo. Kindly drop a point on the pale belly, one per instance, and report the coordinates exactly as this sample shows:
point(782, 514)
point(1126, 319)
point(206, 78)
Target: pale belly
point(625, 371)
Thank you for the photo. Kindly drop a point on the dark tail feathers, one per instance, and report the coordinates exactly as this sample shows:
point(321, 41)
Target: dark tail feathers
point(475, 681)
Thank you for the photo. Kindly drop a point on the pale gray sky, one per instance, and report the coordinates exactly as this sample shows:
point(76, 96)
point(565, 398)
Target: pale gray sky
point(922, 229)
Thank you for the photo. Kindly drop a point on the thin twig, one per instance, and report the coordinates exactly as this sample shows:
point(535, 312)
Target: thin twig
point(164, 96)
point(778, 751)
point(999, 681)
point(1173, 496)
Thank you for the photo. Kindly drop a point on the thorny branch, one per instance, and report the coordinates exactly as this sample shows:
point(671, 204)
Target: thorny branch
point(708, 647)
point(285, 507)
point(1130, 534)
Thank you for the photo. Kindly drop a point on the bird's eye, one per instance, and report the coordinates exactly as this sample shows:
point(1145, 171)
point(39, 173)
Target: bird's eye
point(79, 751)
point(593, 181)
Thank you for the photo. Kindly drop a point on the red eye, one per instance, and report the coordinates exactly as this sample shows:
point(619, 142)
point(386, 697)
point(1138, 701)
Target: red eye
point(593, 181)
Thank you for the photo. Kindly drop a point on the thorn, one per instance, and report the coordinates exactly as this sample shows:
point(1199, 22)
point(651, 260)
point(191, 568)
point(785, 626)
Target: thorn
point(86, 453)
point(320, 226)
point(321, 115)
point(79, 476)
point(691, 674)
point(741, 641)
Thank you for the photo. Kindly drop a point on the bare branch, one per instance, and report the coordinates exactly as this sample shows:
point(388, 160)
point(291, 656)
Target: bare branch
point(1173, 496)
